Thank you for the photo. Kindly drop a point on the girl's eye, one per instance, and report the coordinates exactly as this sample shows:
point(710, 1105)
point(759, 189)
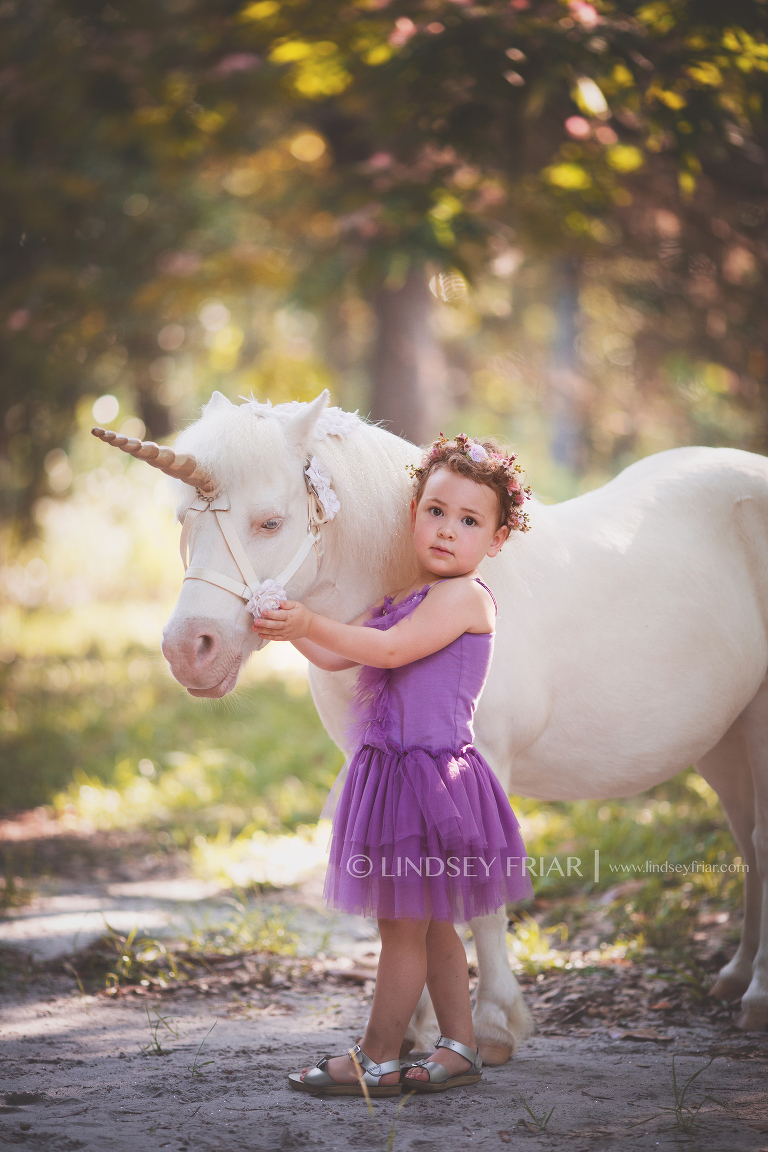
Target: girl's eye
point(435, 511)
point(469, 521)
point(271, 525)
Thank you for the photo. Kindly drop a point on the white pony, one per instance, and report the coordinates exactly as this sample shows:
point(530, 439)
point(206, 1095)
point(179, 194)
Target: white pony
point(632, 633)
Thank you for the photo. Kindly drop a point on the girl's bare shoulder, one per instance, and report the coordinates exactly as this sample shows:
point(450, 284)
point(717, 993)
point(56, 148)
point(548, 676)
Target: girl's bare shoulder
point(459, 589)
point(464, 595)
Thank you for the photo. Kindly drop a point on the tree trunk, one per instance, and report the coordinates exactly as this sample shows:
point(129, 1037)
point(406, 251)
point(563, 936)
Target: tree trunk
point(409, 368)
point(567, 390)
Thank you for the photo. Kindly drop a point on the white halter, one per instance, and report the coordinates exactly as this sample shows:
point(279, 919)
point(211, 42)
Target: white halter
point(258, 594)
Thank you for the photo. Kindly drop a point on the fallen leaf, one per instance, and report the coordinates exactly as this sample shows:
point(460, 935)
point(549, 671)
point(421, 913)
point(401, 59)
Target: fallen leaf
point(357, 975)
point(662, 1006)
point(505, 1137)
point(647, 1034)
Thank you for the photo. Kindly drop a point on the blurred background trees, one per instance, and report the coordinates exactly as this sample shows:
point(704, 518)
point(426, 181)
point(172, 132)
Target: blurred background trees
point(259, 196)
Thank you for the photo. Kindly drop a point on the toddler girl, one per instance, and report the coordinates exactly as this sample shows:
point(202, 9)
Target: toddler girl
point(423, 835)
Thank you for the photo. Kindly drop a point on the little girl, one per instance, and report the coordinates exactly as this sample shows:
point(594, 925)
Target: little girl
point(423, 835)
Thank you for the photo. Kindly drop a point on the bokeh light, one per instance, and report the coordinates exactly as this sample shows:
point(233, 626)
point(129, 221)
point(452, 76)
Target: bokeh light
point(136, 204)
point(213, 315)
point(105, 409)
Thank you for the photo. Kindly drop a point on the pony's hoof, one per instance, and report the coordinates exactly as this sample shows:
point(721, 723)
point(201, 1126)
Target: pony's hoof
point(494, 1054)
point(729, 988)
point(753, 1019)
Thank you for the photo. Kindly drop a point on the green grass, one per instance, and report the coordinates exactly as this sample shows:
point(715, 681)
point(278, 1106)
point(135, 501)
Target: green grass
point(71, 723)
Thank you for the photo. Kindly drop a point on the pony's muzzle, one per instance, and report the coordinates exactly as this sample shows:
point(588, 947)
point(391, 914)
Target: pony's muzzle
point(199, 656)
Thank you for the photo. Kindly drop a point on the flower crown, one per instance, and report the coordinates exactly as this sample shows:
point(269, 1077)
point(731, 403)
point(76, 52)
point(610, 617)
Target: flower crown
point(506, 466)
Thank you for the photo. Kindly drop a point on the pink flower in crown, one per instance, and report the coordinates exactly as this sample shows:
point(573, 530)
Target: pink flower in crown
point(477, 453)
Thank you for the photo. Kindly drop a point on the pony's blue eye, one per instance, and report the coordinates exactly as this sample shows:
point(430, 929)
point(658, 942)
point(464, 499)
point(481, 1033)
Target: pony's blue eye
point(271, 525)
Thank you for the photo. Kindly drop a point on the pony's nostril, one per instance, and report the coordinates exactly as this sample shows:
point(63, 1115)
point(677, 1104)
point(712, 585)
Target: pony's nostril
point(205, 647)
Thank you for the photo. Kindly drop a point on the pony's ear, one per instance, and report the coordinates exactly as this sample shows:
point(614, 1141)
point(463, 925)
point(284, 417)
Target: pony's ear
point(299, 429)
point(218, 401)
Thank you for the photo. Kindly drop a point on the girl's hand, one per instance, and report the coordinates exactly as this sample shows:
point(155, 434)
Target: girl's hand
point(291, 621)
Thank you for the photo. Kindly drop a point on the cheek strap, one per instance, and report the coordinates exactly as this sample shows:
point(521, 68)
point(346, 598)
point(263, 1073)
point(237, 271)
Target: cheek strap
point(259, 595)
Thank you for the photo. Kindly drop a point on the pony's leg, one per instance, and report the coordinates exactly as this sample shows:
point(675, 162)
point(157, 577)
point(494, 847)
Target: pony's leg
point(501, 1019)
point(754, 718)
point(727, 769)
point(423, 1030)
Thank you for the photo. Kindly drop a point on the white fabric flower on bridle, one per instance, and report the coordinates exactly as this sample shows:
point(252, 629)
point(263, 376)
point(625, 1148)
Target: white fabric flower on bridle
point(320, 479)
point(266, 598)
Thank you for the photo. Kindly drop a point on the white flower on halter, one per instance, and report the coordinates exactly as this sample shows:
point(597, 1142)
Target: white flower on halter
point(267, 597)
point(335, 422)
point(320, 479)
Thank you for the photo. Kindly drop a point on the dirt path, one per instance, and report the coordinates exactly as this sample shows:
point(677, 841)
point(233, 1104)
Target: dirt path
point(75, 1076)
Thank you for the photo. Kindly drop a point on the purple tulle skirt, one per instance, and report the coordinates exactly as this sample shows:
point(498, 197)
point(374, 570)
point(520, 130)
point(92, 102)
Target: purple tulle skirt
point(424, 835)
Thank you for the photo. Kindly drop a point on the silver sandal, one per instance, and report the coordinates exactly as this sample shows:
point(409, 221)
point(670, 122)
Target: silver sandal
point(439, 1076)
point(319, 1079)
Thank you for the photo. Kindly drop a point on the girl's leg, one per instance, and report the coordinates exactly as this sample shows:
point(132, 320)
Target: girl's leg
point(399, 984)
point(448, 984)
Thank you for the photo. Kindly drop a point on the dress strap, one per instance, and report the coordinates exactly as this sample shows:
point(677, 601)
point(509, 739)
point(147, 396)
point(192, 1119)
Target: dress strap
point(479, 581)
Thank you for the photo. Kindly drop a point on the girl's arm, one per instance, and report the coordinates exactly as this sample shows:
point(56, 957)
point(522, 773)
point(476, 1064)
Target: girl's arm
point(451, 608)
point(321, 657)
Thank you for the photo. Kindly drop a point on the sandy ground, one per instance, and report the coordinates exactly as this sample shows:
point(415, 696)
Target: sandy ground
point(78, 1073)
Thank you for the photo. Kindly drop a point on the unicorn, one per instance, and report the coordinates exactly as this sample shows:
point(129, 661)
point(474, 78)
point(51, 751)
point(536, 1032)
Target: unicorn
point(632, 636)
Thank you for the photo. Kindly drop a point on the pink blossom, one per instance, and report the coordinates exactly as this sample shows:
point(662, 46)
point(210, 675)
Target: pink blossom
point(586, 14)
point(236, 62)
point(379, 161)
point(404, 29)
point(577, 126)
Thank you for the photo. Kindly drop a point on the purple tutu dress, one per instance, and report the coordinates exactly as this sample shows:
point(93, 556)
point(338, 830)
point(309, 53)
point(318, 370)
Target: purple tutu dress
point(422, 829)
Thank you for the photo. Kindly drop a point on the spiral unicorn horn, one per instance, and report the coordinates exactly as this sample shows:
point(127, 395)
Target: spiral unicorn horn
point(180, 465)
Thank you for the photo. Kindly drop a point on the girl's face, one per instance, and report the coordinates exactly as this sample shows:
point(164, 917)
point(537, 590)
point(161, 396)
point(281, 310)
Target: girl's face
point(455, 524)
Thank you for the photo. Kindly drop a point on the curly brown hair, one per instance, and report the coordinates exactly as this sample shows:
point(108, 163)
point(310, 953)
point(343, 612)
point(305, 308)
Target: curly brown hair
point(485, 462)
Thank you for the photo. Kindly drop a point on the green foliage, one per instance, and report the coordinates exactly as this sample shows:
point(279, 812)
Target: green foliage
point(531, 945)
point(158, 155)
point(194, 1067)
point(672, 824)
point(249, 929)
point(135, 958)
point(684, 1113)
point(216, 762)
point(537, 1123)
point(117, 960)
point(161, 1025)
